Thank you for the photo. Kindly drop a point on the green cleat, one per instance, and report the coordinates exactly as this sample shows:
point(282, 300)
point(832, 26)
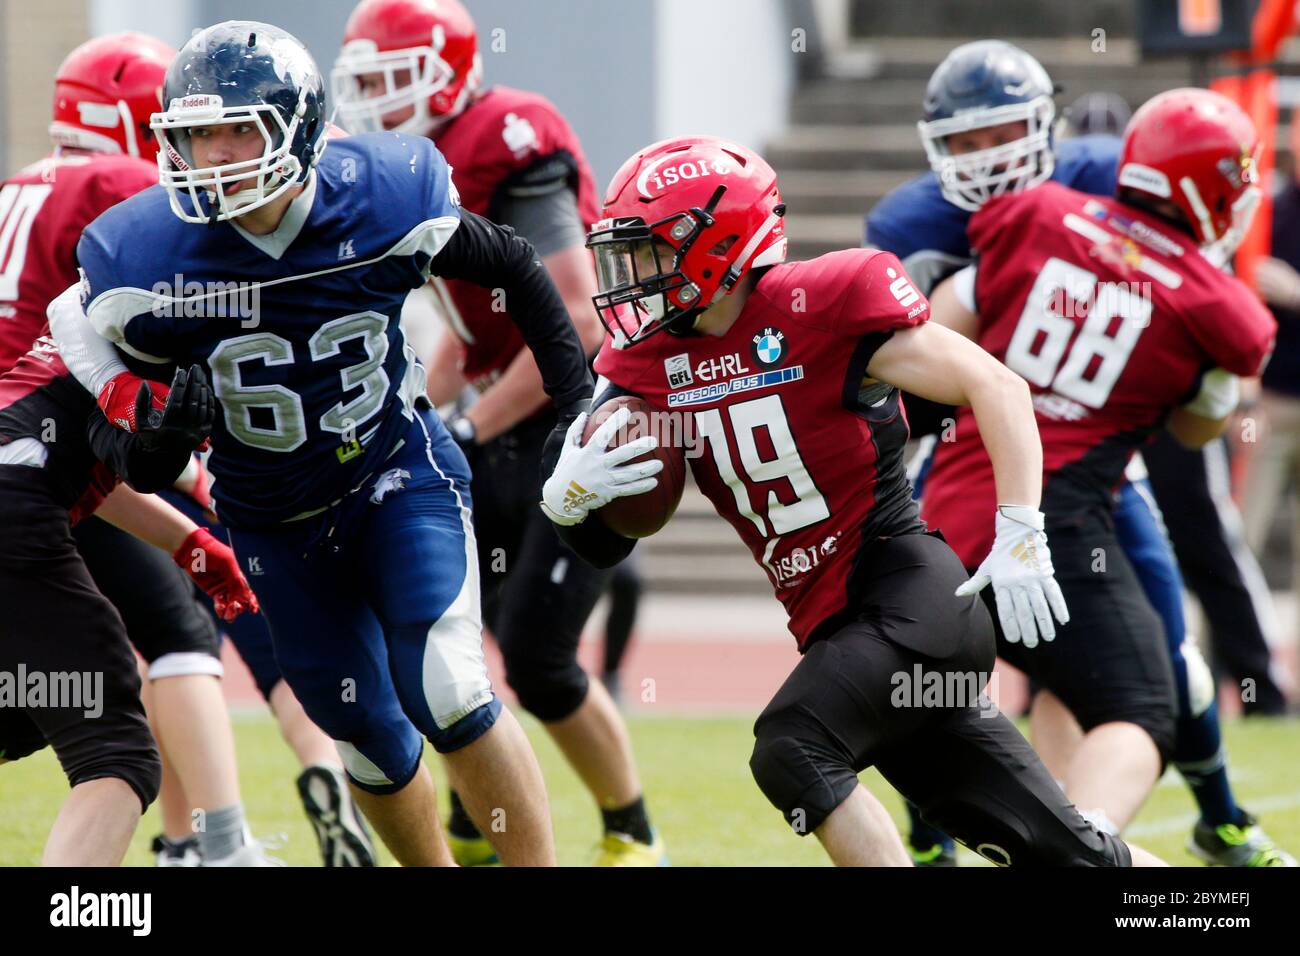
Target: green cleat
point(472, 851)
point(1243, 844)
point(617, 849)
point(937, 855)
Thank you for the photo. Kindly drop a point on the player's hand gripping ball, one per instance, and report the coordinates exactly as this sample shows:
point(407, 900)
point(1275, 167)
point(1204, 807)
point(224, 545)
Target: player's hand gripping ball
point(641, 515)
point(608, 459)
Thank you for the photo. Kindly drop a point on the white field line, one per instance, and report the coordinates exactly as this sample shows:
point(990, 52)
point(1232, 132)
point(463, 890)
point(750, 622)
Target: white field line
point(1185, 821)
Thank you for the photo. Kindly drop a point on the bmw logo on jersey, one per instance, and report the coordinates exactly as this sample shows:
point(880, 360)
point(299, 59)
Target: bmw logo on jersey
point(769, 347)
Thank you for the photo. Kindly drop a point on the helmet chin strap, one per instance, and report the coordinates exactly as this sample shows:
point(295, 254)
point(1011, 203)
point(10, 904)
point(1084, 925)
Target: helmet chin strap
point(683, 325)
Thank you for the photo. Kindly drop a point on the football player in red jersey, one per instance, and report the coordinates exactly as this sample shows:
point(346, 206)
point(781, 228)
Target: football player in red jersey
point(63, 646)
point(104, 152)
point(414, 67)
point(801, 439)
point(1121, 326)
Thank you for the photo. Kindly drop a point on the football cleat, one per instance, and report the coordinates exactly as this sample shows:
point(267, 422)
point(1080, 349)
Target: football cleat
point(252, 853)
point(619, 849)
point(940, 854)
point(340, 829)
point(472, 851)
point(169, 852)
point(1230, 844)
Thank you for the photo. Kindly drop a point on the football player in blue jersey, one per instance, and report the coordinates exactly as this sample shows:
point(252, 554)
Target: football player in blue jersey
point(280, 268)
point(988, 129)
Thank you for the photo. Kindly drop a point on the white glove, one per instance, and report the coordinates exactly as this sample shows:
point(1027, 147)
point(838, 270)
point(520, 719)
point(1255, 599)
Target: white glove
point(1020, 569)
point(590, 476)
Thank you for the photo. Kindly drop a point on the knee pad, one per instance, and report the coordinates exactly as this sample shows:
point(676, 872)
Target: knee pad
point(548, 691)
point(1163, 729)
point(466, 729)
point(372, 778)
point(799, 774)
point(185, 664)
point(131, 757)
point(379, 746)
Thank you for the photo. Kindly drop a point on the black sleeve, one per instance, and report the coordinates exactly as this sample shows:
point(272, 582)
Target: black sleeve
point(593, 541)
point(925, 417)
point(145, 471)
point(490, 255)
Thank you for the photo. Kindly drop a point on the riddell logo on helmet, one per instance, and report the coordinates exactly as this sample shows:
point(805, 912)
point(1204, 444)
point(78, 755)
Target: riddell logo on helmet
point(652, 177)
point(204, 102)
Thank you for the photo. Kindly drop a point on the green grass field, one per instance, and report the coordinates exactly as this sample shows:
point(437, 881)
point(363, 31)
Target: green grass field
point(697, 783)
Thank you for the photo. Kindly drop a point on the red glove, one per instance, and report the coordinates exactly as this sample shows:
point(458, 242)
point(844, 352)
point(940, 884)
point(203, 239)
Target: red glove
point(214, 568)
point(120, 399)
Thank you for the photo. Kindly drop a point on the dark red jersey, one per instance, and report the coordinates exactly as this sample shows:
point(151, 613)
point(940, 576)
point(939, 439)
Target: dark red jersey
point(802, 458)
point(504, 144)
point(41, 400)
point(1112, 317)
point(42, 212)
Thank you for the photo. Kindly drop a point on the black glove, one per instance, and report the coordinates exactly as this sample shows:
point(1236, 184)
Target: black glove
point(186, 421)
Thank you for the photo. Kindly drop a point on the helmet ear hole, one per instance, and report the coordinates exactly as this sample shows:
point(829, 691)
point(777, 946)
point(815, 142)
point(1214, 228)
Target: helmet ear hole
point(720, 249)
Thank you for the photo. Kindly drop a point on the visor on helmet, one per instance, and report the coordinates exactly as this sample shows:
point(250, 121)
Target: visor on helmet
point(641, 290)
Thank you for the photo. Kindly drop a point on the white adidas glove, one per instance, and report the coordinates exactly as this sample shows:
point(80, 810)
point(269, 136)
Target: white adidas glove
point(587, 477)
point(1020, 569)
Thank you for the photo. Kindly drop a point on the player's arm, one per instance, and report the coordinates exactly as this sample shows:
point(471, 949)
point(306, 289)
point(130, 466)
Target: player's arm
point(948, 307)
point(939, 364)
point(445, 380)
point(207, 560)
point(493, 256)
point(1204, 418)
point(147, 517)
point(547, 217)
point(601, 474)
point(952, 304)
point(97, 363)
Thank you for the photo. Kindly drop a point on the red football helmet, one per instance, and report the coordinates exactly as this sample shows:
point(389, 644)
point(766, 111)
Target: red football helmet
point(105, 91)
point(714, 204)
point(432, 41)
point(1200, 151)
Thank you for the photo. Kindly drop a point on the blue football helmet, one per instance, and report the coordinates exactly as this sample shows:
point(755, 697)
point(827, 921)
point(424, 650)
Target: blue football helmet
point(239, 71)
point(982, 84)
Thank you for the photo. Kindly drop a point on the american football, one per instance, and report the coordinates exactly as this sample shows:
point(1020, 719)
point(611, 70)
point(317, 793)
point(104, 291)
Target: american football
point(967, 338)
point(639, 516)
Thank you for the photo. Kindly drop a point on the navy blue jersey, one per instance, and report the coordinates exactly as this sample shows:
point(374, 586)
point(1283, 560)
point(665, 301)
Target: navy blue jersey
point(298, 330)
point(928, 233)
